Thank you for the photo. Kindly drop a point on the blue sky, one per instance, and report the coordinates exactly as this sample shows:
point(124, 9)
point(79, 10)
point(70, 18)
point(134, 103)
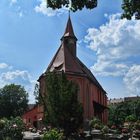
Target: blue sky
point(30, 35)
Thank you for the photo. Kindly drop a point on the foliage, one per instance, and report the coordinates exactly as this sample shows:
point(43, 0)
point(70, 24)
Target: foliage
point(53, 134)
point(13, 101)
point(95, 123)
point(97, 126)
point(2, 124)
point(36, 94)
point(116, 115)
point(119, 112)
point(130, 118)
point(74, 4)
point(11, 129)
point(137, 125)
point(130, 7)
point(105, 129)
point(63, 109)
point(111, 115)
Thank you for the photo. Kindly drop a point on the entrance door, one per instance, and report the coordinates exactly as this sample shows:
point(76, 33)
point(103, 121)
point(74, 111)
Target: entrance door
point(98, 110)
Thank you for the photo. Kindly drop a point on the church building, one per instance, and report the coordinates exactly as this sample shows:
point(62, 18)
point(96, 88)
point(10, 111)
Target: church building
point(91, 94)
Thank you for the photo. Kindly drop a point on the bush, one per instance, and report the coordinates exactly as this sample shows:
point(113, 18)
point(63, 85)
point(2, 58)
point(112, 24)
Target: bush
point(11, 129)
point(95, 123)
point(53, 134)
point(137, 125)
point(105, 129)
point(130, 118)
point(97, 126)
point(2, 124)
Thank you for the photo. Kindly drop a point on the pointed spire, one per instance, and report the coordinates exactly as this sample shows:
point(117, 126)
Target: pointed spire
point(69, 29)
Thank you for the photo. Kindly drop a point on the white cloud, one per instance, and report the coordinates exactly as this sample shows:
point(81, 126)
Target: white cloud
point(13, 2)
point(117, 46)
point(132, 80)
point(18, 8)
point(42, 8)
point(3, 65)
point(13, 75)
point(20, 14)
point(115, 43)
point(21, 77)
point(109, 68)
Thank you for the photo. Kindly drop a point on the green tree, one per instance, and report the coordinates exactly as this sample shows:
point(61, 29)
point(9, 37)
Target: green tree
point(63, 109)
point(111, 115)
point(36, 94)
point(119, 112)
point(73, 4)
point(130, 7)
point(13, 100)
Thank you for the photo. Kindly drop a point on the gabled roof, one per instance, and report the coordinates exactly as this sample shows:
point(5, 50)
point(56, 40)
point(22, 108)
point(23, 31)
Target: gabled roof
point(64, 61)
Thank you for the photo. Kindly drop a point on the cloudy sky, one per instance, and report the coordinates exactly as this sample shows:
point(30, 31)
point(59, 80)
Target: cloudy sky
point(109, 46)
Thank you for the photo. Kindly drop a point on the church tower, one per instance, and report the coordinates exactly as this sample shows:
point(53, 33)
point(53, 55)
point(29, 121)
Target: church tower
point(69, 39)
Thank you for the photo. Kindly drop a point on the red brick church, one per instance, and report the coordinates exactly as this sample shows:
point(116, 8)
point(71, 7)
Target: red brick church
point(91, 94)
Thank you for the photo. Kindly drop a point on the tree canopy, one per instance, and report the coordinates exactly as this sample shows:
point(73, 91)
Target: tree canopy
point(13, 101)
point(130, 7)
point(121, 112)
point(36, 94)
point(73, 4)
point(63, 109)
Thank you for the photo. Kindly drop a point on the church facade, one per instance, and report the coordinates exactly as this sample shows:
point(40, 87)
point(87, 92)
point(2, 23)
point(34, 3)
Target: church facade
point(91, 94)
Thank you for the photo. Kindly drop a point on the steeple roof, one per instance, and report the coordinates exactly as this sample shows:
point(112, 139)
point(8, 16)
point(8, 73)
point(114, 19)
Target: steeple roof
point(69, 29)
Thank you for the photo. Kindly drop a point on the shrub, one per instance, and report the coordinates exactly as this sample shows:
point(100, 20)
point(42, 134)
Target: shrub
point(2, 124)
point(130, 118)
point(53, 134)
point(11, 129)
point(137, 125)
point(97, 126)
point(95, 122)
point(105, 129)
